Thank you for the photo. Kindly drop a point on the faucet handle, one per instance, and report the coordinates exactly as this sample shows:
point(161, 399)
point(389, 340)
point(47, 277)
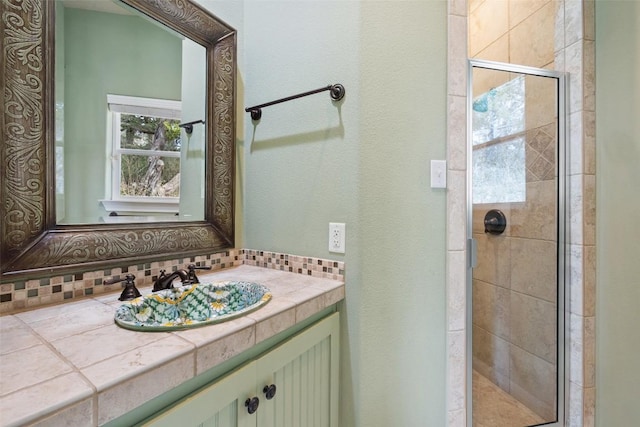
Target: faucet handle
point(129, 278)
point(192, 272)
point(130, 291)
point(157, 285)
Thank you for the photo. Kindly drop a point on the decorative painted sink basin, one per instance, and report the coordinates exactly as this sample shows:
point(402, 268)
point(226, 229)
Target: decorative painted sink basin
point(191, 306)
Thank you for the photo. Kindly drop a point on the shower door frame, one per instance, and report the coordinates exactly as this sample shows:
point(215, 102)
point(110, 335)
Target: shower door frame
point(563, 292)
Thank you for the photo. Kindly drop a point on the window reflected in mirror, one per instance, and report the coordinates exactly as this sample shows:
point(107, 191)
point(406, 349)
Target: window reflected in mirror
point(124, 83)
point(145, 143)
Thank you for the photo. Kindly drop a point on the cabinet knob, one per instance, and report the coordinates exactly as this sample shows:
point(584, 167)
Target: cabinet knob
point(252, 404)
point(269, 391)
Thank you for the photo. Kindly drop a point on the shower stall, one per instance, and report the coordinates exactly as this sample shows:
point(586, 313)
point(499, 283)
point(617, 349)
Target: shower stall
point(516, 181)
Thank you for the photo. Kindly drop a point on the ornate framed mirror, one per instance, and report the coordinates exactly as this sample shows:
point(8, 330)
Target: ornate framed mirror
point(32, 244)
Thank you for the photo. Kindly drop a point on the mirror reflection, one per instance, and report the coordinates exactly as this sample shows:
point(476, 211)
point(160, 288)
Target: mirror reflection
point(124, 84)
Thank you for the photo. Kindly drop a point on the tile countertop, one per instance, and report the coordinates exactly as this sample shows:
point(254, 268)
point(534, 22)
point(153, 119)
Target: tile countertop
point(70, 364)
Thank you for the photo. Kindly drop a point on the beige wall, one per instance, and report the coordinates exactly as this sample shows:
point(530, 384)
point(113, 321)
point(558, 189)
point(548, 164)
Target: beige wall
point(516, 32)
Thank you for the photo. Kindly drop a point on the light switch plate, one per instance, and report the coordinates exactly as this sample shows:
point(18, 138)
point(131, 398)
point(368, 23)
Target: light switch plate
point(438, 174)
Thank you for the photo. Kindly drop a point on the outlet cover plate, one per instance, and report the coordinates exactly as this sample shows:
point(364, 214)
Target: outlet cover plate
point(337, 237)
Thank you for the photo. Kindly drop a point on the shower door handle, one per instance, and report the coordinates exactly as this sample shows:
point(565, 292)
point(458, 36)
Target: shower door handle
point(472, 250)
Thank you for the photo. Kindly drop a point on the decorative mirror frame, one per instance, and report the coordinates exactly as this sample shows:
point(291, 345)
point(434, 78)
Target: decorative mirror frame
point(31, 244)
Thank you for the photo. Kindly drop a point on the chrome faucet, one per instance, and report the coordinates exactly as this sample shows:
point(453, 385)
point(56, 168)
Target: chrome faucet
point(166, 282)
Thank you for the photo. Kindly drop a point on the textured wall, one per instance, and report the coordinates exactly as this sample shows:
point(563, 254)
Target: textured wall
point(618, 208)
point(365, 162)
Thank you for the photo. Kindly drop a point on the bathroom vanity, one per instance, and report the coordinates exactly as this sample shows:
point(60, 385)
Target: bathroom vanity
point(295, 383)
point(70, 364)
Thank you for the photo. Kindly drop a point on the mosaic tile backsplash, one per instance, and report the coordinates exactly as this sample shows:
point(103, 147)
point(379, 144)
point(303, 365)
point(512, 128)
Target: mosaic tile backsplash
point(32, 293)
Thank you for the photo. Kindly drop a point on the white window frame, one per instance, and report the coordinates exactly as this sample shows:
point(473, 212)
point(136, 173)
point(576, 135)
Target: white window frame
point(136, 205)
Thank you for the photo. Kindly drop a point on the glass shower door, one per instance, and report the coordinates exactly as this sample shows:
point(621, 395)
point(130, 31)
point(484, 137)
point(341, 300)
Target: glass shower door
point(517, 226)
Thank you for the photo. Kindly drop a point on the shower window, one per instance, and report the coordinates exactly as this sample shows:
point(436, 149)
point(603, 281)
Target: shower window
point(499, 144)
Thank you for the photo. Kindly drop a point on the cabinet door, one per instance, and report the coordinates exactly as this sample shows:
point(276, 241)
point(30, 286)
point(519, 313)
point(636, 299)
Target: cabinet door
point(304, 371)
point(221, 404)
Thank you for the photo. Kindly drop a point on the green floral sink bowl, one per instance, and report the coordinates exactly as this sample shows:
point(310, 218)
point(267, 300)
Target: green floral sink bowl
point(191, 306)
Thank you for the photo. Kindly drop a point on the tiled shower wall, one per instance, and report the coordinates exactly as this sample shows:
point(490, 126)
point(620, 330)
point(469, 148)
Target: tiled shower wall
point(514, 288)
point(573, 33)
point(514, 285)
point(516, 31)
point(36, 292)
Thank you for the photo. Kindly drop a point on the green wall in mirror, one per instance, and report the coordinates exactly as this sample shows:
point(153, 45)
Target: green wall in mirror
point(117, 52)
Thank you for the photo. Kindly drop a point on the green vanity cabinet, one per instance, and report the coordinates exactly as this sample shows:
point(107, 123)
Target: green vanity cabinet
point(219, 404)
point(304, 372)
point(295, 384)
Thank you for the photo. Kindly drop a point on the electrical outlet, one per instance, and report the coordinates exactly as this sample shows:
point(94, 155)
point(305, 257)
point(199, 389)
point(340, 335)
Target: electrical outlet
point(336, 237)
